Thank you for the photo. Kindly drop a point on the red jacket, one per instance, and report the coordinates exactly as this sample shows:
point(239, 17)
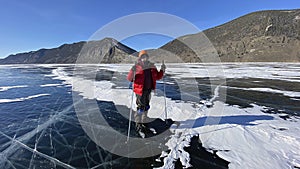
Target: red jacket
point(139, 77)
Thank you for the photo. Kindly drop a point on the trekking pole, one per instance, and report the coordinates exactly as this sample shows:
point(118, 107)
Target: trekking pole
point(163, 62)
point(130, 114)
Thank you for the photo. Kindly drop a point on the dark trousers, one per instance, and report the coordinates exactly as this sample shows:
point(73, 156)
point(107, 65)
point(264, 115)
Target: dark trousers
point(143, 104)
point(143, 101)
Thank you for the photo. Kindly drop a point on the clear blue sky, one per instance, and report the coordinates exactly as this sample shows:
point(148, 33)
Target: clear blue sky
point(34, 24)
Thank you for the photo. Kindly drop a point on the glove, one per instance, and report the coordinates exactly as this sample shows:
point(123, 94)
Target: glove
point(163, 67)
point(130, 85)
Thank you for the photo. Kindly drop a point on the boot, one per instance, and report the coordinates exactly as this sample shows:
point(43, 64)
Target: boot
point(138, 127)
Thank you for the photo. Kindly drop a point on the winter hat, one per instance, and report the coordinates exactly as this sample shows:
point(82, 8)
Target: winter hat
point(142, 52)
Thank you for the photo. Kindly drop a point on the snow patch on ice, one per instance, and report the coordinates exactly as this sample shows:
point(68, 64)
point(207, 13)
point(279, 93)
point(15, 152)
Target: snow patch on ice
point(176, 146)
point(50, 85)
point(295, 99)
point(22, 98)
point(5, 88)
point(277, 71)
point(285, 93)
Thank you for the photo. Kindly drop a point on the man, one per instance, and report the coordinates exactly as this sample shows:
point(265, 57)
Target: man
point(145, 78)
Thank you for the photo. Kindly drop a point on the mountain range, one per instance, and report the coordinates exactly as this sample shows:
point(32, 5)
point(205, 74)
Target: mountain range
point(263, 36)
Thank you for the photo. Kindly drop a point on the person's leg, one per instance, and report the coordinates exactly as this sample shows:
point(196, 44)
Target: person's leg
point(144, 117)
point(137, 115)
point(137, 118)
point(140, 102)
point(138, 123)
point(147, 97)
point(143, 101)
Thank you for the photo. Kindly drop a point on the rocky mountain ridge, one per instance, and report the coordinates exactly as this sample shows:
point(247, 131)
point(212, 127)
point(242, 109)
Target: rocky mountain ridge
point(263, 36)
point(107, 50)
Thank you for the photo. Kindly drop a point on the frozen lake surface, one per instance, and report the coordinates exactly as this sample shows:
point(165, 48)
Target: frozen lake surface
point(230, 115)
